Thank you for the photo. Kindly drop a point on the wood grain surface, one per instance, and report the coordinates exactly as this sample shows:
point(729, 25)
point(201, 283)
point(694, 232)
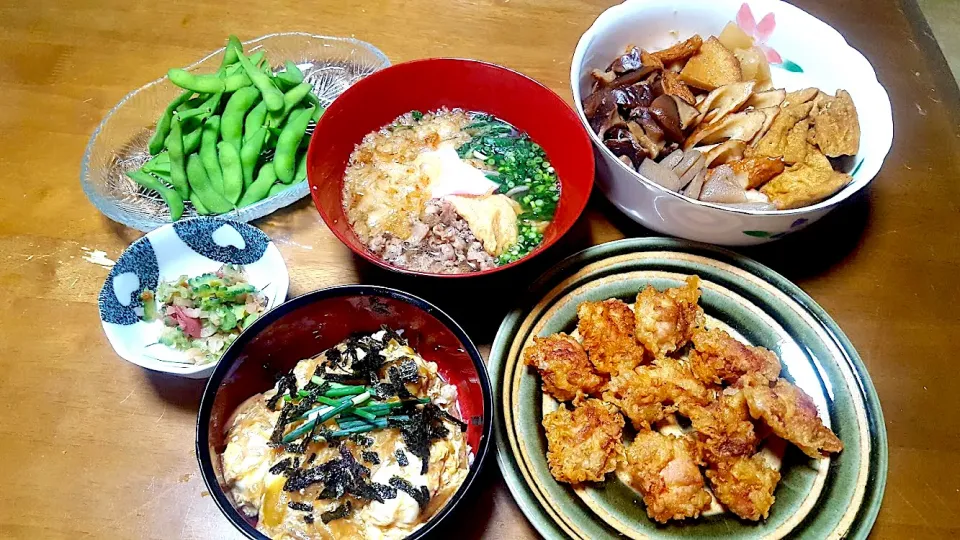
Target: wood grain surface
point(91, 446)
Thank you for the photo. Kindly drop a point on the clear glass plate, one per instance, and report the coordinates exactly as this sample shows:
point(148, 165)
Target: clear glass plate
point(119, 143)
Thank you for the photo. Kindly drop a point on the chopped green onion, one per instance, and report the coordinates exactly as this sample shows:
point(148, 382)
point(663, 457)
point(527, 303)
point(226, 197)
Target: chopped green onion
point(323, 417)
point(345, 391)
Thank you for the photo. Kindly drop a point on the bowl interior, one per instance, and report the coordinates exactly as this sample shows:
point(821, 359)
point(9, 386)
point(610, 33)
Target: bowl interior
point(309, 324)
point(427, 85)
point(813, 54)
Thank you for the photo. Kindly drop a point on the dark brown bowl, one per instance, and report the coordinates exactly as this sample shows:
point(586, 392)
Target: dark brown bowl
point(309, 324)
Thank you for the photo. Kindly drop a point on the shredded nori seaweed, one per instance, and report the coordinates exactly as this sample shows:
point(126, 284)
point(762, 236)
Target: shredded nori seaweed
point(340, 476)
point(339, 512)
point(370, 457)
point(308, 519)
point(361, 440)
point(426, 424)
point(420, 494)
point(301, 506)
point(284, 465)
point(401, 457)
point(286, 384)
point(310, 459)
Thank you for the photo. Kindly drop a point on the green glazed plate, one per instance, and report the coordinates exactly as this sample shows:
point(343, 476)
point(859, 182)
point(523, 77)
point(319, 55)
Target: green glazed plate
point(834, 497)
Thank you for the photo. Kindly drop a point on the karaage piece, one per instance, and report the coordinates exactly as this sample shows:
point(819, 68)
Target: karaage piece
point(647, 394)
point(665, 320)
point(564, 367)
point(792, 415)
point(744, 485)
point(724, 429)
point(584, 444)
point(607, 331)
point(665, 471)
point(719, 357)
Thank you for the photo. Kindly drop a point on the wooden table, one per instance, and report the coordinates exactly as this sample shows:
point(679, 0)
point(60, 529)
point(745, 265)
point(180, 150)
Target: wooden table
point(93, 446)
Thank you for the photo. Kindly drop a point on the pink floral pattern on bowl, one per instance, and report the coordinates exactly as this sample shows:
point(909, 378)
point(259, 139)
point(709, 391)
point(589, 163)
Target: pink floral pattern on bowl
point(761, 32)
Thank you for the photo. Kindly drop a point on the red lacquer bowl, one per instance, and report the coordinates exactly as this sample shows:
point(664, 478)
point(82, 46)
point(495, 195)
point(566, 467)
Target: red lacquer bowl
point(427, 85)
point(314, 322)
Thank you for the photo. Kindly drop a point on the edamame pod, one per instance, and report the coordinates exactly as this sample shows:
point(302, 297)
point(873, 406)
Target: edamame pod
point(172, 198)
point(158, 163)
point(301, 173)
point(191, 141)
point(232, 83)
point(272, 95)
point(284, 161)
point(291, 99)
point(257, 57)
point(293, 72)
point(197, 205)
point(163, 124)
point(254, 120)
point(232, 170)
point(204, 84)
point(250, 154)
point(318, 110)
point(231, 123)
point(200, 184)
point(279, 188)
point(208, 152)
point(178, 174)
point(260, 187)
point(230, 52)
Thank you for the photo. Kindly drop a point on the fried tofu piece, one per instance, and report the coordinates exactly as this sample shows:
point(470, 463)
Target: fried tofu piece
point(665, 471)
point(758, 170)
point(584, 444)
point(712, 66)
point(647, 394)
point(673, 86)
point(836, 126)
point(724, 428)
point(803, 184)
point(799, 97)
point(665, 320)
point(769, 115)
point(774, 142)
point(680, 51)
point(795, 144)
point(792, 415)
point(607, 331)
point(745, 485)
point(719, 357)
point(564, 367)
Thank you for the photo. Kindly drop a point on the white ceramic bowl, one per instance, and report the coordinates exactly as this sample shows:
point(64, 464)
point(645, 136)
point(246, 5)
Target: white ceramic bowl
point(188, 247)
point(814, 54)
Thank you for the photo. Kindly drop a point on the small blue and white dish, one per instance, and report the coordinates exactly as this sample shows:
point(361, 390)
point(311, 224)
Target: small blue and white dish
point(190, 247)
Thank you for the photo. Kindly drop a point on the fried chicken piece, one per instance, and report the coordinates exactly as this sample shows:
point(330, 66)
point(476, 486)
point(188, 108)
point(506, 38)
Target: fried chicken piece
point(584, 444)
point(607, 331)
point(647, 394)
point(724, 429)
point(745, 485)
point(665, 471)
point(792, 415)
point(564, 367)
point(665, 320)
point(719, 357)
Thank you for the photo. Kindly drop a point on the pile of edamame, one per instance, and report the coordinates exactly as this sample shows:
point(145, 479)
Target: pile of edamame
point(231, 138)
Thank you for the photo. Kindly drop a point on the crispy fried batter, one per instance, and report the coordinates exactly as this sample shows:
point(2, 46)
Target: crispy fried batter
point(672, 85)
point(719, 357)
point(648, 394)
point(724, 428)
point(564, 367)
point(584, 444)
point(744, 485)
point(665, 320)
point(805, 183)
point(836, 126)
point(792, 415)
point(680, 51)
point(607, 331)
point(665, 471)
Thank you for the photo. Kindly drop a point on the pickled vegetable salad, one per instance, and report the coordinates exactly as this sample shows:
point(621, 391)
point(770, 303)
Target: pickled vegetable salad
point(203, 315)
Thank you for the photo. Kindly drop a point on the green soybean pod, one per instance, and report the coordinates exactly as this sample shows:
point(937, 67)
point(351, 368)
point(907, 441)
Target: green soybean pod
point(232, 170)
point(230, 52)
point(199, 183)
point(178, 174)
point(204, 84)
point(163, 124)
point(285, 158)
point(208, 152)
point(198, 205)
point(291, 99)
point(172, 198)
point(232, 83)
point(271, 94)
point(276, 189)
point(301, 173)
point(260, 187)
point(257, 57)
point(191, 141)
point(254, 120)
point(250, 154)
point(293, 72)
point(318, 109)
point(158, 163)
point(231, 123)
